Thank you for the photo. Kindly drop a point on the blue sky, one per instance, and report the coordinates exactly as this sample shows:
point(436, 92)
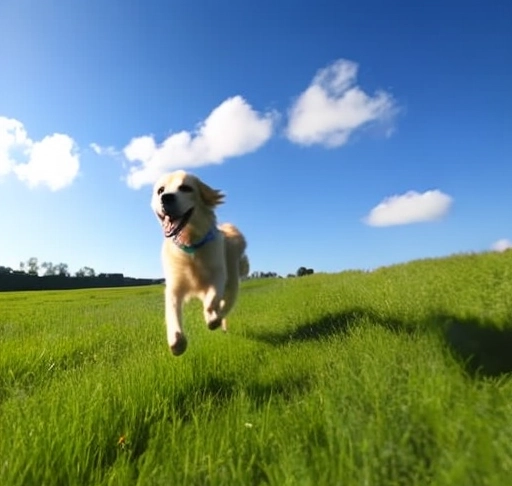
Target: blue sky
point(345, 134)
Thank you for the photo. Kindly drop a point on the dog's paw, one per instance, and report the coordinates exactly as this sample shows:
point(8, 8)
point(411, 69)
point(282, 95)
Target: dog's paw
point(180, 345)
point(215, 324)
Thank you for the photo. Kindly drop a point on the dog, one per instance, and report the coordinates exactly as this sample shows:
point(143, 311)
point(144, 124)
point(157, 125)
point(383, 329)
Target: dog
point(200, 258)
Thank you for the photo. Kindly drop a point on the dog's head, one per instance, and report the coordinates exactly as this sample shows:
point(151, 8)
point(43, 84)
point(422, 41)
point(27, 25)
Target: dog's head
point(181, 199)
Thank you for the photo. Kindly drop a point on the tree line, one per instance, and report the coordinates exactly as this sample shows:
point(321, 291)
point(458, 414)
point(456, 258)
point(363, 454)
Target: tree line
point(301, 272)
point(46, 269)
point(32, 275)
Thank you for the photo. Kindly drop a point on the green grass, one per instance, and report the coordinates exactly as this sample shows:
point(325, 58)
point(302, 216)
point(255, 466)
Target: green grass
point(400, 376)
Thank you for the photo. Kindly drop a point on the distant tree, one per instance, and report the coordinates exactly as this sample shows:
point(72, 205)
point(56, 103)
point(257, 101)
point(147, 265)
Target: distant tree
point(62, 270)
point(291, 275)
point(301, 271)
point(32, 266)
point(5, 270)
point(49, 269)
point(89, 272)
point(257, 274)
point(85, 272)
point(22, 266)
point(268, 274)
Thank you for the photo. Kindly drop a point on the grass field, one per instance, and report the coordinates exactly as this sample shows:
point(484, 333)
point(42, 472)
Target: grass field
point(401, 376)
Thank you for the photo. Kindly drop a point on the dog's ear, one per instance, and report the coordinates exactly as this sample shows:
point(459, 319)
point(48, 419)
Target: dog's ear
point(211, 197)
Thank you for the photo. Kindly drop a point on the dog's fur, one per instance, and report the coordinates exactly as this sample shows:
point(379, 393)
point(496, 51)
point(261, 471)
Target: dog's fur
point(185, 206)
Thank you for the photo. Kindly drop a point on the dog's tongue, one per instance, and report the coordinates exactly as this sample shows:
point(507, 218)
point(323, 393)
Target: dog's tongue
point(167, 225)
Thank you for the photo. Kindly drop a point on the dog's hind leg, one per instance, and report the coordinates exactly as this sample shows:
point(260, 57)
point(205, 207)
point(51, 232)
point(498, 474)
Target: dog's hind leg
point(173, 319)
point(212, 303)
point(230, 296)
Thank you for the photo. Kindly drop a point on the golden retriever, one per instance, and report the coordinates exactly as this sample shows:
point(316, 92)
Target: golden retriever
point(200, 258)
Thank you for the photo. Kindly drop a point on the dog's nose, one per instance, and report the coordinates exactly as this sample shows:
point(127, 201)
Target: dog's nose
point(168, 198)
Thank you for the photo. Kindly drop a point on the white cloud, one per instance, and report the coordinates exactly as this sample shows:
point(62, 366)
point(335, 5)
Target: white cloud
point(52, 161)
point(232, 129)
point(411, 207)
point(100, 150)
point(501, 245)
point(13, 143)
point(333, 107)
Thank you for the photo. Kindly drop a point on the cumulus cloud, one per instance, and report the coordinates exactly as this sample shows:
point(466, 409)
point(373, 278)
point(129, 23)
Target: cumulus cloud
point(333, 107)
point(501, 245)
point(52, 161)
point(232, 129)
point(13, 142)
point(100, 150)
point(411, 207)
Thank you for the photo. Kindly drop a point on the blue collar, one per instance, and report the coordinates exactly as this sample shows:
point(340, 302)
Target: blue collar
point(195, 246)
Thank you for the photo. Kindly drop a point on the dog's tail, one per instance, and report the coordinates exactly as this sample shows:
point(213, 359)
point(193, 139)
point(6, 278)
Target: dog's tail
point(244, 266)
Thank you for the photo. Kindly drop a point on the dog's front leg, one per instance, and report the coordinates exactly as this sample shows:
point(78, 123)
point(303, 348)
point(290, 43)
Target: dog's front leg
point(173, 318)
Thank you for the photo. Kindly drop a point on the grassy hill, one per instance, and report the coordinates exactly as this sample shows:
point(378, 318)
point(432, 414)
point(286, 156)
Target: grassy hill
point(401, 376)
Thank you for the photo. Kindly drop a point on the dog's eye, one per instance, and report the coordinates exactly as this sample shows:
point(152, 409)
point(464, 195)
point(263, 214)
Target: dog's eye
point(160, 190)
point(185, 188)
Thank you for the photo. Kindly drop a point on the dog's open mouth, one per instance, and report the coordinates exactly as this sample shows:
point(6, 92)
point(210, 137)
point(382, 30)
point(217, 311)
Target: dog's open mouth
point(173, 225)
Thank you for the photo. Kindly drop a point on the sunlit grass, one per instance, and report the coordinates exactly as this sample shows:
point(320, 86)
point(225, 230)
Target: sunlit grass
point(399, 376)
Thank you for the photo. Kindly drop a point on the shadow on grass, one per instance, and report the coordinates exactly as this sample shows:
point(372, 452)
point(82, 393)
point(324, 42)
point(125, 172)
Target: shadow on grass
point(195, 400)
point(483, 348)
point(328, 326)
point(219, 390)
